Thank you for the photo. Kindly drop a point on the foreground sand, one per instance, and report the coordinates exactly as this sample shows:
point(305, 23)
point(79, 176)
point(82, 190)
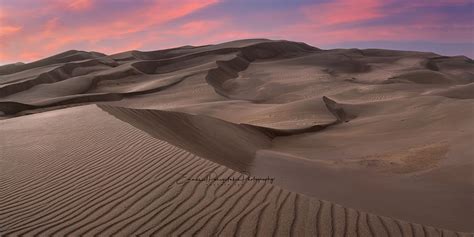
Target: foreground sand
point(99, 176)
point(383, 132)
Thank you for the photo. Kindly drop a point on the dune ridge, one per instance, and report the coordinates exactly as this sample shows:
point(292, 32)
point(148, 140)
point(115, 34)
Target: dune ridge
point(232, 145)
point(95, 67)
point(149, 66)
point(68, 56)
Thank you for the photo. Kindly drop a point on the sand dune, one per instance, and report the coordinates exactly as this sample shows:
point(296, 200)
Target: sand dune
point(110, 178)
point(355, 142)
point(231, 145)
point(68, 56)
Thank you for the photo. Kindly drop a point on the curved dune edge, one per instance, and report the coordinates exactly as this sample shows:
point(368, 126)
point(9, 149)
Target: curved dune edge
point(456, 92)
point(226, 143)
point(227, 70)
point(12, 108)
point(291, 213)
point(57, 74)
point(232, 145)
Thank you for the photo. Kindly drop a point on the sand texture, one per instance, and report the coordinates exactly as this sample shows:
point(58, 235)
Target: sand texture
point(351, 142)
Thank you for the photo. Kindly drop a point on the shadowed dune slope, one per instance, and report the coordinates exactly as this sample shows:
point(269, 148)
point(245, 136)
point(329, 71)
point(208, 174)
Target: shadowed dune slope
point(229, 144)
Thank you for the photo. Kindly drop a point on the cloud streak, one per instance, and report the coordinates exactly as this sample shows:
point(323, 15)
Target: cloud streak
point(343, 11)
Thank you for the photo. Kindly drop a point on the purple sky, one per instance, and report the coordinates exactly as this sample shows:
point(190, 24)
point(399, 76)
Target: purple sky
point(32, 29)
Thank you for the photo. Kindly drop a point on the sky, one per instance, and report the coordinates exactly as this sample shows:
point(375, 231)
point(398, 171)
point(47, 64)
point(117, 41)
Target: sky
point(34, 29)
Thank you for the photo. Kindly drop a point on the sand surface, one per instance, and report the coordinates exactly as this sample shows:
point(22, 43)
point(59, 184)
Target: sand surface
point(356, 142)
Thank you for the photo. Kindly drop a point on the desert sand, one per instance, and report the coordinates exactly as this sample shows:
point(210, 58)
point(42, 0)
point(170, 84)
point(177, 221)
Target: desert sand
point(355, 142)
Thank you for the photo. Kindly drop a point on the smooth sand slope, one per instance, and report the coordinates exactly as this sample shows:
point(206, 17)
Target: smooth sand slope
point(384, 132)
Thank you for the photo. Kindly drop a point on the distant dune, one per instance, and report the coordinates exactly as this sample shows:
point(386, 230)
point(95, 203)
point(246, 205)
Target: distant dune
point(348, 142)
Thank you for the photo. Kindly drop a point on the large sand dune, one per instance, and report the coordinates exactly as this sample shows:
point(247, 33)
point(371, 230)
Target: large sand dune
point(356, 142)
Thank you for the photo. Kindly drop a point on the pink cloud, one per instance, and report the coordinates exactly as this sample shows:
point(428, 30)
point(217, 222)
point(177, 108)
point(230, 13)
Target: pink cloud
point(6, 30)
point(343, 11)
point(322, 18)
point(75, 5)
point(195, 28)
point(160, 12)
point(80, 4)
point(29, 55)
point(419, 31)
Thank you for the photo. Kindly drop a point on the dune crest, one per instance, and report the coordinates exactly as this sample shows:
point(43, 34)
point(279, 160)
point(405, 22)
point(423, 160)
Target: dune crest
point(229, 144)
